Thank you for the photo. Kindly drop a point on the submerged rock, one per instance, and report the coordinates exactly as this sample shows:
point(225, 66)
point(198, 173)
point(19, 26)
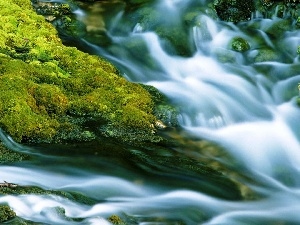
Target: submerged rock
point(50, 92)
point(264, 55)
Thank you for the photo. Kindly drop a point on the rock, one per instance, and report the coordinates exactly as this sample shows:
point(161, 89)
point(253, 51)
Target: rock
point(116, 220)
point(59, 92)
point(6, 213)
point(239, 44)
point(263, 55)
point(9, 156)
point(166, 114)
point(234, 10)
point(277, 8)
point(50, 9)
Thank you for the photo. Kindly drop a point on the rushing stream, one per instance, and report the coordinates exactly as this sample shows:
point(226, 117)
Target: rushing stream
point(237, 100)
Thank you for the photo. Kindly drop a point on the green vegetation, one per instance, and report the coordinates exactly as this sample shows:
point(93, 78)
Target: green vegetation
point(265, 55)
point(233, 10)
point(49, 92)
point(240, 44)
point(281, 9)
point(9, 156)
point(116, 220)
point(6, 213)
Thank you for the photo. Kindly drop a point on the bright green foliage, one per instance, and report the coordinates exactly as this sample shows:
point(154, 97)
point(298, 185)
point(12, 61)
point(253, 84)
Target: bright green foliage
point(298, 50)
point(43, 83)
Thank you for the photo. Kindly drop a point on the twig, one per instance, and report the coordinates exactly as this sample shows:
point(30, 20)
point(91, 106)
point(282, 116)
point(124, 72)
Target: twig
point(9, 185)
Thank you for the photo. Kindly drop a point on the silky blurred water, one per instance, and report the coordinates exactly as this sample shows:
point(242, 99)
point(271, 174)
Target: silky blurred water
point(246, 106)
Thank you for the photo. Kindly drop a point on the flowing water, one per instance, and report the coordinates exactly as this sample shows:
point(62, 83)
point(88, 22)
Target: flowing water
point(244, 102)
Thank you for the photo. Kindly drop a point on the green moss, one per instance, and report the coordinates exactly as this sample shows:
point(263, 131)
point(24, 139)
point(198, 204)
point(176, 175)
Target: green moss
point(116, 220)
point(164, 111)
point(239, 44)
point(50, 99)
point(9, 156)
point(6, 213)
point(44, 84)
point(265, 54)
point(280, 27)
point(298, 21)
point(298, 50)
point(233, 10)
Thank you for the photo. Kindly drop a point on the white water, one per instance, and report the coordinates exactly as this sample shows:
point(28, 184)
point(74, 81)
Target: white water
point(253, 115)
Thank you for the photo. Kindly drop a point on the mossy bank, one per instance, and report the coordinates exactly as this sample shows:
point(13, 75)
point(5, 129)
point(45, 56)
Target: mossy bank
point(50, 92)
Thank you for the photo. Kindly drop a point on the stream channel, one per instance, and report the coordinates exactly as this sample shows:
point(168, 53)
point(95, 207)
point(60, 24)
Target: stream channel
point(244, 102)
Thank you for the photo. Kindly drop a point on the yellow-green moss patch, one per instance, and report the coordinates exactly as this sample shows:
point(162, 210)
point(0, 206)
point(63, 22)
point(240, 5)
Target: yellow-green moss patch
point(44, 85)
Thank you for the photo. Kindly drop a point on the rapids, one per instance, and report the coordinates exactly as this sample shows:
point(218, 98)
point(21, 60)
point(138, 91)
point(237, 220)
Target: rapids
point(245, 105)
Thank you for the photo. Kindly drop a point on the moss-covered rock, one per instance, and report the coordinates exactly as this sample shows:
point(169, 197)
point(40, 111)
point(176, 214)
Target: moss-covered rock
point(234, 10)
point(116, 220)
point(23, 190)
point(166, 114)
point(6, 213)
point(9, 156)
point(61, 16)
point(280, 26)
point(45, 85)
point(278, 8)
point(53, 9)
point(264, 55)
point(239, 44)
